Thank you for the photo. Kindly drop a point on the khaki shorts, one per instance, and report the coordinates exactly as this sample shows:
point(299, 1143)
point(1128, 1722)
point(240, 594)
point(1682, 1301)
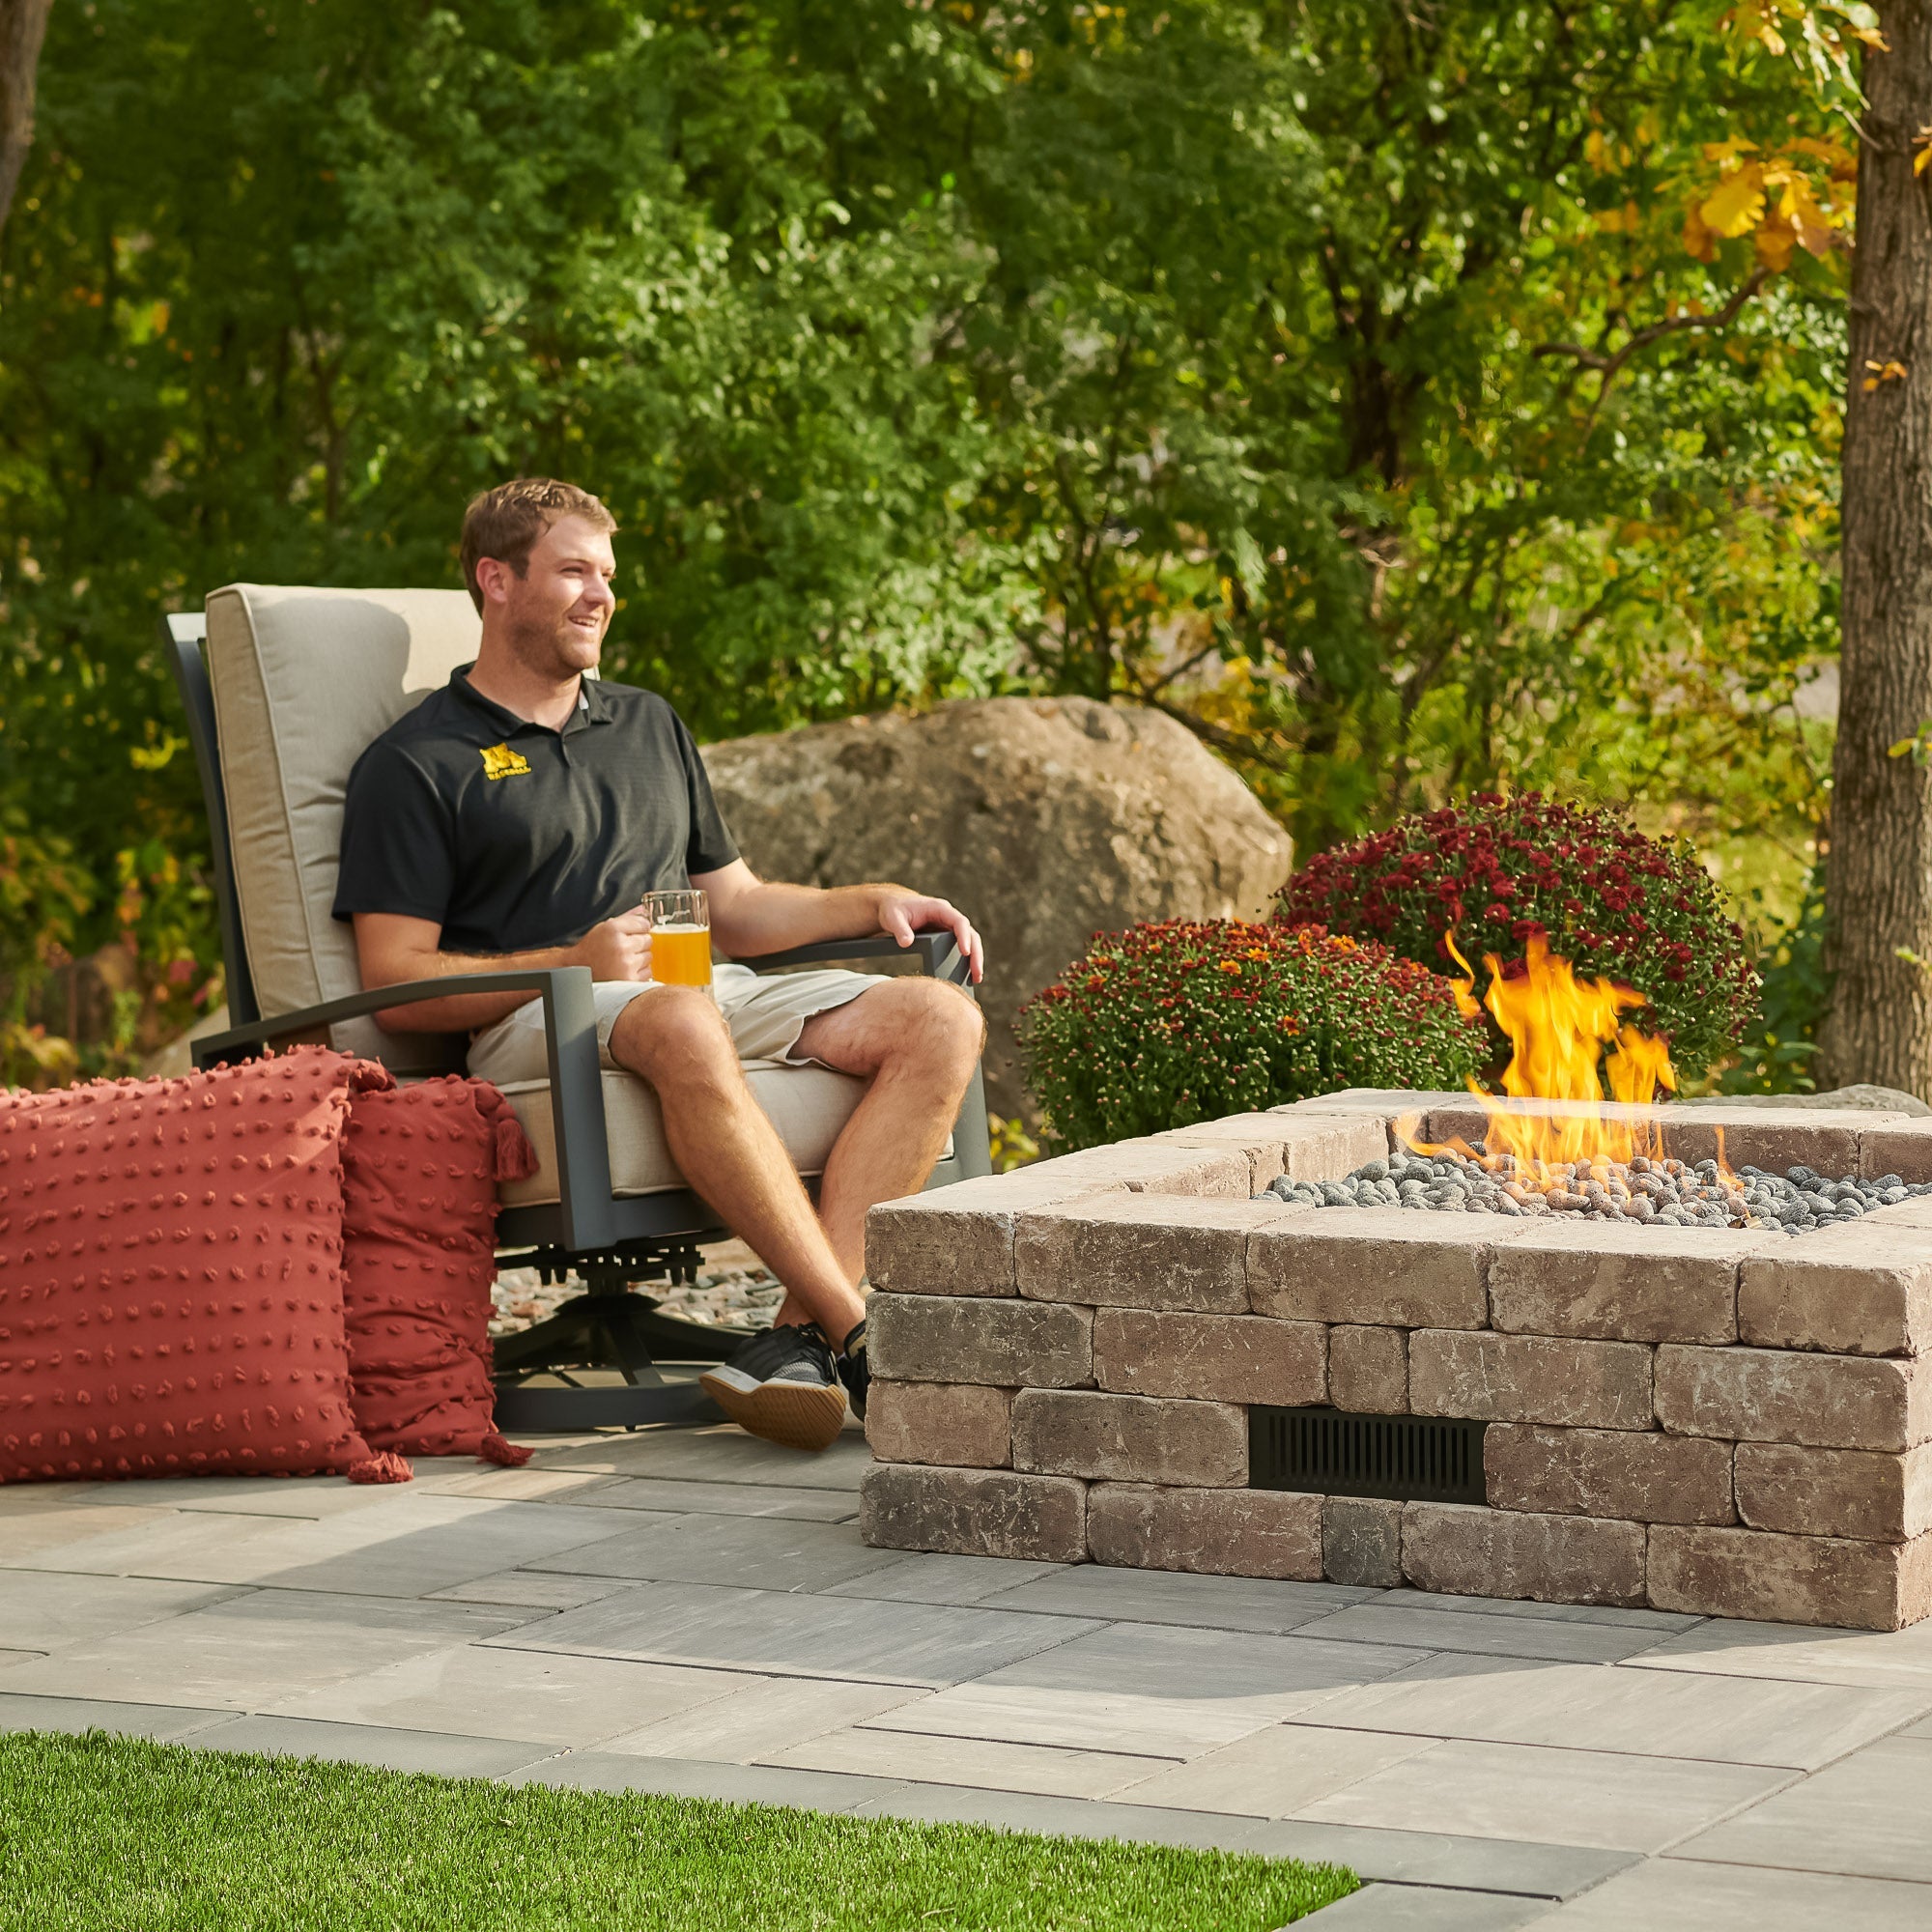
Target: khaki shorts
point(765, 1014)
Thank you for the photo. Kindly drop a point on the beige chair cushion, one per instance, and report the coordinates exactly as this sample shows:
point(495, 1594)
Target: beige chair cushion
point(303, 680)
point(807, 1105)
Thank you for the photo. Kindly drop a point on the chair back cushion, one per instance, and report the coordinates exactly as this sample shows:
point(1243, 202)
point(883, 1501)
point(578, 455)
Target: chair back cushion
point(303, 680)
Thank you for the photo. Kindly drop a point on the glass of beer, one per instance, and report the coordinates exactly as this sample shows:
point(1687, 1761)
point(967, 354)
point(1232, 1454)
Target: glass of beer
point(680, 938)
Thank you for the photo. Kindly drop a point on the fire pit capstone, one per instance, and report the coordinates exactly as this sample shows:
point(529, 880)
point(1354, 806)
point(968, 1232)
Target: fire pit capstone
point(1125, 1357)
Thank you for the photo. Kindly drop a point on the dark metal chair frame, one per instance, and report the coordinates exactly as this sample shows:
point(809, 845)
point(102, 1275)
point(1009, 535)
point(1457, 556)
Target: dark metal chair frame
point(609, 1240)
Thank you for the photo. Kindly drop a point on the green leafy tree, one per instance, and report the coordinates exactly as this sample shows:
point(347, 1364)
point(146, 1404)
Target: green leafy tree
point(1341, 379)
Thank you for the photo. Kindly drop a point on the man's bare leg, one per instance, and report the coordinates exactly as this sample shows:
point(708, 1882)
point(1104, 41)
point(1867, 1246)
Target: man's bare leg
point(675, 1037)
point(916, 1041)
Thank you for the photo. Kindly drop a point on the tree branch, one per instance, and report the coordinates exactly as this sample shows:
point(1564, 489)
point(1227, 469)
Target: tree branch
point(1237, 744)
point(1610, 366)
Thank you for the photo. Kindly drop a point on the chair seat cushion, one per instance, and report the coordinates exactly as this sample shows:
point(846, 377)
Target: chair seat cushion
point(420, 1169)
point(808, 1105)
point(171, 1276)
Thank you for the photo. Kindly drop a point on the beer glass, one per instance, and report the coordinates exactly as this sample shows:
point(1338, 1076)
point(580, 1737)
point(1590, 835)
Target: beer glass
point(680, 938)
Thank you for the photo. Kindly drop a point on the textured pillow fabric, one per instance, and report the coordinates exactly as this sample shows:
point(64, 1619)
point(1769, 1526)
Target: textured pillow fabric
point(420, 1168)
point(171, 1276)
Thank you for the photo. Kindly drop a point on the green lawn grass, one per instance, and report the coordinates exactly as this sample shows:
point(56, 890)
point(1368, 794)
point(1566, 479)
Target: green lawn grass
point(116, 1833)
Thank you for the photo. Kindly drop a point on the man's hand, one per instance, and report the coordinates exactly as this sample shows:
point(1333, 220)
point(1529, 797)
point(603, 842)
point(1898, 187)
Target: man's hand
point(617, 948)
point(749, 917)
point(902, 914)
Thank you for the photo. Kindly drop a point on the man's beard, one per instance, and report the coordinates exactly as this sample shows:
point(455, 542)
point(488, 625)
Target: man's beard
point(550, 646)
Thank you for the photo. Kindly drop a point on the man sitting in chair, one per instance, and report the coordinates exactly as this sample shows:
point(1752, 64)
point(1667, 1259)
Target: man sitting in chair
point(517, 819)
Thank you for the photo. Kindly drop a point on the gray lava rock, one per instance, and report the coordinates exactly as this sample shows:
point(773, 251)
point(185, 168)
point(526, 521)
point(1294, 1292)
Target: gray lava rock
point(1655, 1193)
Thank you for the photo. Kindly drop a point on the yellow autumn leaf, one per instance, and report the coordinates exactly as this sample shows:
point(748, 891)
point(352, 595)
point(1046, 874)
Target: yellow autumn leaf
point(1810, 223)
point(1772, 245)
point(1750, 22)
point(1836, 157)
point(1738, 205)
point(1699, 243)
point(1597, 151)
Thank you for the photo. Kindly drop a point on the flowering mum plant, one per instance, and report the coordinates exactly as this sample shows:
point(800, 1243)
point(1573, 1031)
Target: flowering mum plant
point(1173, 1023)
point(1615, 903)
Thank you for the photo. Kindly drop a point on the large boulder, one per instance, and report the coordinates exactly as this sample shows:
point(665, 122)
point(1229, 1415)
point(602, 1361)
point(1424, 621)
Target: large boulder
point(1045, 820)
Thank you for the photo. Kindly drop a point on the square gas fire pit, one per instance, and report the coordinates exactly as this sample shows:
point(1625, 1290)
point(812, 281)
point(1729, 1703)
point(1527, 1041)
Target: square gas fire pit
point(1138, 1356)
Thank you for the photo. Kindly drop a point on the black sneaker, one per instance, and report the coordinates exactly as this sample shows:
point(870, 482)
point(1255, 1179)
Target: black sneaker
point(855, 1372)
point(783, 1385)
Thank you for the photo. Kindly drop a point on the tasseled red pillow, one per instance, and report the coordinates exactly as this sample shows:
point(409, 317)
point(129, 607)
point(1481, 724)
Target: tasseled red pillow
point(421, 1165)
point(171, 1276)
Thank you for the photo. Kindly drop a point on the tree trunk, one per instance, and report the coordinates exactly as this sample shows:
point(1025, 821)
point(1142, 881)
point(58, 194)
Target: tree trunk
point(1879, 881)
point(22, 23)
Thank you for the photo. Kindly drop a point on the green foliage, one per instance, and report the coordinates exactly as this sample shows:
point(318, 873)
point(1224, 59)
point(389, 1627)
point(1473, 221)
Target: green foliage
point(1616, 904)
point(107, 1833)
point(1407, 399)
point(1337, 377)
point(1174, 1022)
point(1774, 1054)
point(1010, 1143)
point(44, 894)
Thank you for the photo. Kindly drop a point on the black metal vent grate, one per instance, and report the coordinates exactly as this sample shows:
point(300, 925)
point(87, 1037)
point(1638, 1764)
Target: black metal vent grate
point(1405, 1458)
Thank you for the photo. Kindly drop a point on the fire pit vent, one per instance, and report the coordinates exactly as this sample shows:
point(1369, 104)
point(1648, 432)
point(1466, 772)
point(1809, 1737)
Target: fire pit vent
point(1403, 1458)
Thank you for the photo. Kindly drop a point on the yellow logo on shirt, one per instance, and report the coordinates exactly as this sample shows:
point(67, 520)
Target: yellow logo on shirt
point(500, 762)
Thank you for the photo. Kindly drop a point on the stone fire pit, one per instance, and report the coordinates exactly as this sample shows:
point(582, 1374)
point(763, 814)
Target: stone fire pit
point(1121, 1356)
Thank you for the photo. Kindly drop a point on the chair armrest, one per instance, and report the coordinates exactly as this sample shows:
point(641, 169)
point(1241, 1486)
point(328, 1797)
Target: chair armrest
point(937, 953)
point(215, 1048)
point(576, 1077)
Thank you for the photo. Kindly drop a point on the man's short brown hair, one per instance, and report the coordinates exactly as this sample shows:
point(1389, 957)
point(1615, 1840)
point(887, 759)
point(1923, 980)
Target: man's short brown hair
point(508, 523)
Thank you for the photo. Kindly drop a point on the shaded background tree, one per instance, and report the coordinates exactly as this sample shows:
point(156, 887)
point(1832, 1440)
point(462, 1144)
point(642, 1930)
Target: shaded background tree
point(24, 24)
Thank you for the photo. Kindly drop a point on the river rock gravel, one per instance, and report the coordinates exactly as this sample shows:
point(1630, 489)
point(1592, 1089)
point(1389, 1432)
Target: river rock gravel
point(1667, 1193)
point(732, 1291)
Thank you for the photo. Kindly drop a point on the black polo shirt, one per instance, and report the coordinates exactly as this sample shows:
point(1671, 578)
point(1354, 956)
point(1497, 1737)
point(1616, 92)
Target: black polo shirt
point(511, 836)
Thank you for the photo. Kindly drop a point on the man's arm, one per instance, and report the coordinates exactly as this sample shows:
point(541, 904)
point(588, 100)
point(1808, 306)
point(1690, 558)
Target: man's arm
point(392, 948)
point(750, 915)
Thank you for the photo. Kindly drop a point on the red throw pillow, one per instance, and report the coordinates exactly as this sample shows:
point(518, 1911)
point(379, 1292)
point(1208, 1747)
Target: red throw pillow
point(171, 1276)
point(420, 1168)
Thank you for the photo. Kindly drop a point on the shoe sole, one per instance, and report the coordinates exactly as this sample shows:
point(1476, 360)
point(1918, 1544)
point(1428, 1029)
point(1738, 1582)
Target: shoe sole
point(796, 1416)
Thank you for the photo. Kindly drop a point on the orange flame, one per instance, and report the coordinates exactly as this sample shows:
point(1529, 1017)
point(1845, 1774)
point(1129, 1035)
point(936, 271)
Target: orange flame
point(1558, 1027)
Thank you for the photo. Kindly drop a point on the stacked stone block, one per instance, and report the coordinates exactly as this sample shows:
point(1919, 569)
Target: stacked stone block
point(1730, 1423)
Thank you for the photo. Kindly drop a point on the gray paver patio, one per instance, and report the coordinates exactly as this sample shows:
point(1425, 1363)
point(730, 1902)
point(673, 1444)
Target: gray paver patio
point(1564, 1643)
point(1158, 1689)
point(1428, 1908)
point(686, 1497)
point(693, 1611)
point(1169, 1596)
point(753, 1553)
point(1517, 1791)
point(1869, 1813)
